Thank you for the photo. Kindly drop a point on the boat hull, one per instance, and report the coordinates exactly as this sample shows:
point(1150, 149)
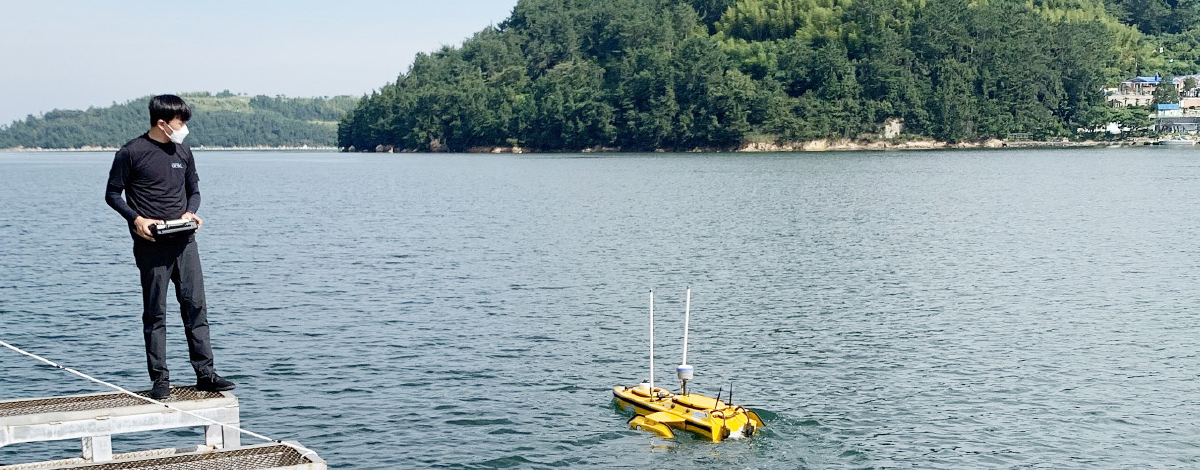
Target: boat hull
point(710, 418)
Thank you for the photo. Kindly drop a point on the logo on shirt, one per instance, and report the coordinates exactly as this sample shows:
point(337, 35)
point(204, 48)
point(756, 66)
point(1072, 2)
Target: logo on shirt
point(177, 165)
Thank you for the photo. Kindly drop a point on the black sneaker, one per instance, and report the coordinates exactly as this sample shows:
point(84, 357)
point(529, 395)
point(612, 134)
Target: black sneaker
point(215, 383)
point(161, 390)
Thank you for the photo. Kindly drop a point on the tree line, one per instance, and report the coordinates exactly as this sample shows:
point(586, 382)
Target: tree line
point(220, 120)
point(716, 74)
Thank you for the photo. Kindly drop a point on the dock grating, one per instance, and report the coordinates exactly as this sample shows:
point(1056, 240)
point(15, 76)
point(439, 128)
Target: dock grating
point(262, 457)
point(250, 458)
point(95, 402)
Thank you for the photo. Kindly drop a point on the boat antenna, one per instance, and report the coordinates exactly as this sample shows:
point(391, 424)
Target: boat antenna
point(730, 393)
point(684, 371)
point(718, 400)
point(687, 317)
point(651, 342)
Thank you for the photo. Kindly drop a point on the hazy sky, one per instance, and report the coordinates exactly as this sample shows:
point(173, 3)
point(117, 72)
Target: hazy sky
point(71, 54)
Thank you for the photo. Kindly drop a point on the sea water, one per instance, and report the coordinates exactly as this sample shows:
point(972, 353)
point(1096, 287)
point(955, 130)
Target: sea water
point(943, 309)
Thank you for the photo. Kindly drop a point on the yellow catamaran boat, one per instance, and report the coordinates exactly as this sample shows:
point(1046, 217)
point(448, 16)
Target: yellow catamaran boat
point(658, 410)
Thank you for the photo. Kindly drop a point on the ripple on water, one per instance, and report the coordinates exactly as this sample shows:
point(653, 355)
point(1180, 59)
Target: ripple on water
point(927, 309)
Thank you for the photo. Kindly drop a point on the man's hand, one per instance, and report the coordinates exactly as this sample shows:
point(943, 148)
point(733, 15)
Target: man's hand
point(194, 217)
point(143, 224)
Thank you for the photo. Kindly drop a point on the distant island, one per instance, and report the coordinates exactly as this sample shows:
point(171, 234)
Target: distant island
point(643, 75)
point(223, 120)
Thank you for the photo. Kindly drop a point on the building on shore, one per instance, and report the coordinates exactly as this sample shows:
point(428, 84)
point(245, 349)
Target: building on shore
point(1170, 118)
point(1189, 90)
point(1139, 91)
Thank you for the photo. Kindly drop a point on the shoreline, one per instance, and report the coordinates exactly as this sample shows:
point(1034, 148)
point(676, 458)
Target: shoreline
point(818, 145)
point(847, 145)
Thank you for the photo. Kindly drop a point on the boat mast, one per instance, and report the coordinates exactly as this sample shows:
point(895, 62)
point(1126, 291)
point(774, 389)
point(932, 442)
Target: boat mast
point(687, 316)
point(651, 342)
point(684, 371)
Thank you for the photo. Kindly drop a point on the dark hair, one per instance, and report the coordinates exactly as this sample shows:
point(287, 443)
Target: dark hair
point(168, 107)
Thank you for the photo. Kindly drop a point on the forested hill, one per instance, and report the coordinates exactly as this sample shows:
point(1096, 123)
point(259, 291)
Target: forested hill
point(221, 120)
point(684, 74)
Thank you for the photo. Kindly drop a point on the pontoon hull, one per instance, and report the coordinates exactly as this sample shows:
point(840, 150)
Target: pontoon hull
point(714, 420)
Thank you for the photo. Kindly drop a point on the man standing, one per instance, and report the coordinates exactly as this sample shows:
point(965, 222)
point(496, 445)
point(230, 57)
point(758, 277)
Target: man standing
point(158, 176)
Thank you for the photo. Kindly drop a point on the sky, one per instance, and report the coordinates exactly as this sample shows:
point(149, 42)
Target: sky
point(72, 54)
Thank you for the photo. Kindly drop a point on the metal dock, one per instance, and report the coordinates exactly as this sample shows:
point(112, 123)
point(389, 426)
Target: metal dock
point(95, 418)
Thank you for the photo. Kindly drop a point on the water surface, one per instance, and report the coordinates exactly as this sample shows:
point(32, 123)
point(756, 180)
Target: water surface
point(950, 309)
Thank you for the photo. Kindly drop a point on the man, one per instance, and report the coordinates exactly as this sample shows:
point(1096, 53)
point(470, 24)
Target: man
point(158, 176)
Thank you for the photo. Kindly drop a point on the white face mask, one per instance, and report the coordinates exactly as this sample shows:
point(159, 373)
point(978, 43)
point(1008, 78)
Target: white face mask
point(177, 136)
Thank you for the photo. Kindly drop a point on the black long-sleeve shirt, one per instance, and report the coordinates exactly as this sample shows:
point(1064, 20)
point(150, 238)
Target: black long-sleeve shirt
point(159, 181)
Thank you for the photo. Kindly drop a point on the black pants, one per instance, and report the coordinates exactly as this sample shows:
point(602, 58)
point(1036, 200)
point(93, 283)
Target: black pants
point(162, 263)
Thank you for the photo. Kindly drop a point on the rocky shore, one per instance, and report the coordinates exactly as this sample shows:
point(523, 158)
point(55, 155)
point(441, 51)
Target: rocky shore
point(818, 145)
point(824, 145)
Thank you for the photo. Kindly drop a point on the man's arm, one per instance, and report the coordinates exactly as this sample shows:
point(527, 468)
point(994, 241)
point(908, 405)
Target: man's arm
point(192, 189)
point(117, 178)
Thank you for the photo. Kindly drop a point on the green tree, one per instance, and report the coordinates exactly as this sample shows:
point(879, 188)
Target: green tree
point(671, 74)
point(224, 119)
point(1166, 92)
point(570, 110)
